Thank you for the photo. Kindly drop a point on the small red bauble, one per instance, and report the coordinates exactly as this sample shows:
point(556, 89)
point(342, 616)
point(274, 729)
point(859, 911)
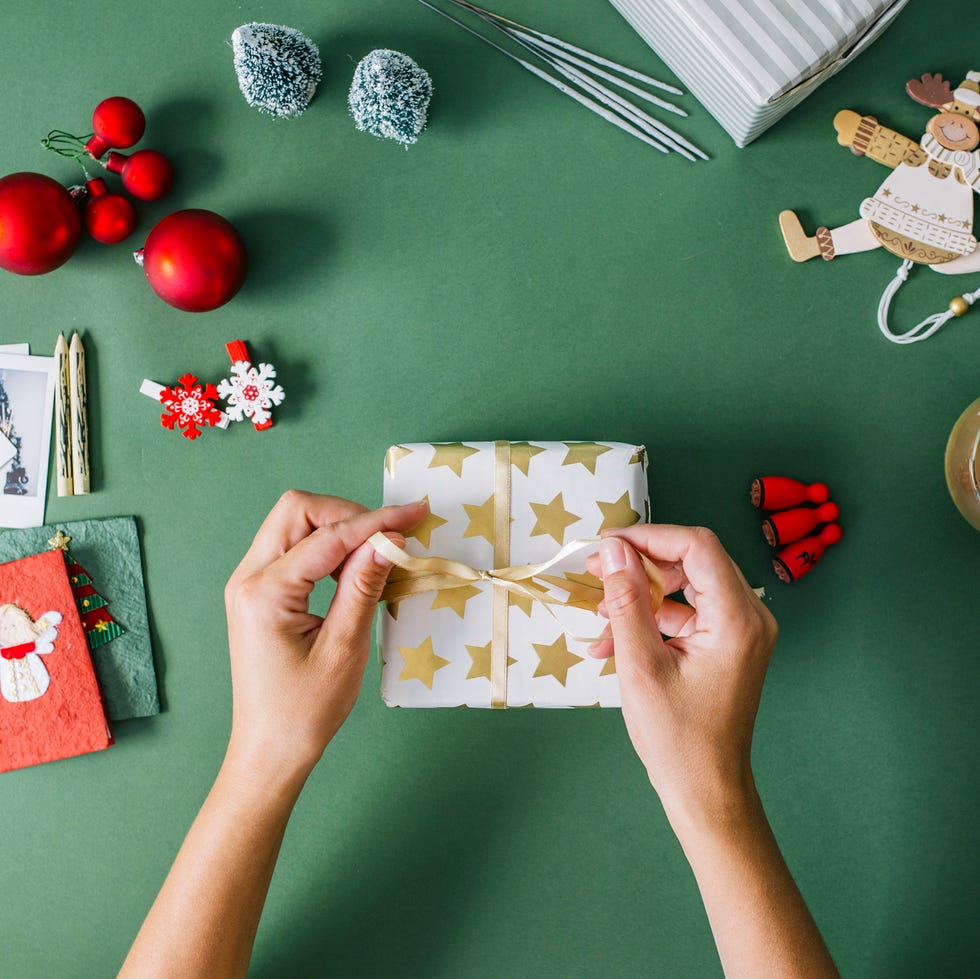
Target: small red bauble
point(116, 122)
point(194, 260)
point(147, 174)
point(39, 224)
point(109, 218)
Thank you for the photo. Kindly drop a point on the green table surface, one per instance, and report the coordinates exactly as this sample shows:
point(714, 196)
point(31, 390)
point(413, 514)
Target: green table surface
point(524, 271)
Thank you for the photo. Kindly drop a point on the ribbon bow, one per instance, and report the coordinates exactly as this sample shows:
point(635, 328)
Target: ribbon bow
point(417, 575)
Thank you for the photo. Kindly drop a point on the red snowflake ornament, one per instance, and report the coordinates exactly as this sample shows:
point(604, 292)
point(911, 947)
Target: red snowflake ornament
point(190, 407)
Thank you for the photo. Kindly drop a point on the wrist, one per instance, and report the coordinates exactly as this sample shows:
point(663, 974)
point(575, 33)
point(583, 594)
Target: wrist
point(268, 772)
point(714, 803)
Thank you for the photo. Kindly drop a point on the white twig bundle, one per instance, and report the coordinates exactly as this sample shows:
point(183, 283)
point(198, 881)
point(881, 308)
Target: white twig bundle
point(583, 79)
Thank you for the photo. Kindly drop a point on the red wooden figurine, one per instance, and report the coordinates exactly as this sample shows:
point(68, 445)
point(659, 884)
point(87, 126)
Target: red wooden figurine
point(780, 492)
point(790, 525)
point(798, 559)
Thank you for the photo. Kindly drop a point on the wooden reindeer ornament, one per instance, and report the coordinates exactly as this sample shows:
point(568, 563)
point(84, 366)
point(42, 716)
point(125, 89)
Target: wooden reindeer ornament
point(923, 212)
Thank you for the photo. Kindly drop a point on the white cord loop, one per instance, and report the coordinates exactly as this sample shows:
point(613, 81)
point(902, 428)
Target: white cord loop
point(925, 329)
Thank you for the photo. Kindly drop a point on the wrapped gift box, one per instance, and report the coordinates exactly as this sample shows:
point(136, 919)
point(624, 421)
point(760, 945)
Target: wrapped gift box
point(750, 61)
point(494, 505)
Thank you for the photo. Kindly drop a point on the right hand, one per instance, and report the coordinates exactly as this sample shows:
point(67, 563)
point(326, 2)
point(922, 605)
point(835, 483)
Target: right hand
point(689, 702)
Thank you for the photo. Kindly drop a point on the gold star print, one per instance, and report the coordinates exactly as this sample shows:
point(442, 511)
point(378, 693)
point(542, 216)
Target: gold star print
point(392, 608)
point(609, 667)
point(421, 662)
point(523, 602)
point(455, 598)
point(452, 455)
point(481, 661)
point(584, 453)
point(394, 455)
point(521, 454)
point(618, 513)
point(555, 660)
point(638, 457)
point(423, 532)
point(102, 626)
point(481, 519)
point(553, 519)
point(60, 541)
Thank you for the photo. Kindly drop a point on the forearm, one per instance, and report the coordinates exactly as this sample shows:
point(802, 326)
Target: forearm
point(204, 919)
point(758, 917)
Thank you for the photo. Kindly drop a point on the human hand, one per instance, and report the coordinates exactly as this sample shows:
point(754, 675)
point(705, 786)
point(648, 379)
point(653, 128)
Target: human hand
point(689, 702)
point(296, 675)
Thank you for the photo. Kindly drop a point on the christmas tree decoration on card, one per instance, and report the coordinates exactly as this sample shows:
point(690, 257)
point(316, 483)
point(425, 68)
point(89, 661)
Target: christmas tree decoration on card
point(190, 406)
point(278, 68)
point(580, 74)
point(49, 708)
point(923, 211)
point(389, 96)
point(490, 603)
point(250, 392)
point(99, 625)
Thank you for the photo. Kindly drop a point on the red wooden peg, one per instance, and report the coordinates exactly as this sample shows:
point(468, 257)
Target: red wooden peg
point(787, 526)
point(798, 559)
point(780, 492)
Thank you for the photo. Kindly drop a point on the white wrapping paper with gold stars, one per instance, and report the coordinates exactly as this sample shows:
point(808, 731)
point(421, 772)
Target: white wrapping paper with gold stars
point(494, 505)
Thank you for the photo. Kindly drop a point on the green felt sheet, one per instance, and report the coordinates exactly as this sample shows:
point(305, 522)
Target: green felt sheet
point(524, 271)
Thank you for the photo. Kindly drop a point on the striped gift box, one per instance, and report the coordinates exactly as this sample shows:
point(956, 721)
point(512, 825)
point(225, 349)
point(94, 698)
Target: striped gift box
point(750, 61)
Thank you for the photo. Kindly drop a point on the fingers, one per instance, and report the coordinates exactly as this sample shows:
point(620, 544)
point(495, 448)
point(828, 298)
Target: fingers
point(294, 517)
point(320, 553)
point(358, 592)
point(627, 600)
point(709, 570)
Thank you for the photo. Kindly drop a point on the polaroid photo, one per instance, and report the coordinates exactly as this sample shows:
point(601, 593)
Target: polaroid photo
point(15, 348)
point(26, 409)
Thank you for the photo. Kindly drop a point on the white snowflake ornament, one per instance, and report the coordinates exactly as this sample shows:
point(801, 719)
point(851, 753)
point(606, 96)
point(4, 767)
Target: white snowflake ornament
point(251, 392)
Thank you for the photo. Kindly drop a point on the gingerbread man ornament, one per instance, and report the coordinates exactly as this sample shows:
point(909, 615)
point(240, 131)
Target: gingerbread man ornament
point(923, 211)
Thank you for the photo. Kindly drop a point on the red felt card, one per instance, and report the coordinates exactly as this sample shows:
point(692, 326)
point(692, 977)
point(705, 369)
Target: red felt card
point(50, 705)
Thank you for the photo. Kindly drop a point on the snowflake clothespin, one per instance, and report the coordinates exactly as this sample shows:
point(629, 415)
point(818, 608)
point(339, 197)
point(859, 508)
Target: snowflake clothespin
point(250, 392)
point(190, 406)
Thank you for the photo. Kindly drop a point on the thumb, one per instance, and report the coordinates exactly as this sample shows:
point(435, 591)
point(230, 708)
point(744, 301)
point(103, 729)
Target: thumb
point(627, 597)
point(359, 588)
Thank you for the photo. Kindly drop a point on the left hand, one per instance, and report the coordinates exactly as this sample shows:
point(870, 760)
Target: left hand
point(296, 675)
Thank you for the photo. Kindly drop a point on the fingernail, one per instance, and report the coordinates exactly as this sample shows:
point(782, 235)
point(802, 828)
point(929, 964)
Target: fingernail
point(612, 554)
point(381, 561)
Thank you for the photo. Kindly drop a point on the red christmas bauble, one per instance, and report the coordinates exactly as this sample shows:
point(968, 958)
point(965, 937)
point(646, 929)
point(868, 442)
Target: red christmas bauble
point(116, 122)
point(147, 174)
point(194, 260)
point(39, 224)
point(109, 218)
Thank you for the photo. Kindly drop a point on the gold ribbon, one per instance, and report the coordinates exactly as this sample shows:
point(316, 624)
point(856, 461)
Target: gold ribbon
point(418, 575)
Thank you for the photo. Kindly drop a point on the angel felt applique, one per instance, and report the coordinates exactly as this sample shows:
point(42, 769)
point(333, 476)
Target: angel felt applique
point(23, 676)
point(923, 211)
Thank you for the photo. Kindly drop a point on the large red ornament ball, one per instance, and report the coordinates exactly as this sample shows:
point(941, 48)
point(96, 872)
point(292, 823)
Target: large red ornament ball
point(39, 224)
point(195, 260)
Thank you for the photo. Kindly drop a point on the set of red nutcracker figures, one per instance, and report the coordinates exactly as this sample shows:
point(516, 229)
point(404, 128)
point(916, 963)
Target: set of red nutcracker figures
point(791, 523)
